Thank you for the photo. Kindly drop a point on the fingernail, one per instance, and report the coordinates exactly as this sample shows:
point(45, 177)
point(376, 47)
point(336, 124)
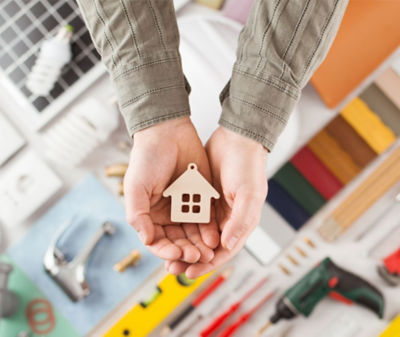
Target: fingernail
point(142, 236)
point(232, 242)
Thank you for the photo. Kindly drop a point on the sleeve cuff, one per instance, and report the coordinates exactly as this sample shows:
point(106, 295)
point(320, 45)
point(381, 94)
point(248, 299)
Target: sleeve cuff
point(257, 107)
point(152, 93)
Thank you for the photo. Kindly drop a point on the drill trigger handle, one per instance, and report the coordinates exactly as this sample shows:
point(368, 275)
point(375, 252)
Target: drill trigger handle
point(348, 288)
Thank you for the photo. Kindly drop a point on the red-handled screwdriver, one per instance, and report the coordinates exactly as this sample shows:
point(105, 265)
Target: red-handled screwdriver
point(230, 330)
point(231, 310)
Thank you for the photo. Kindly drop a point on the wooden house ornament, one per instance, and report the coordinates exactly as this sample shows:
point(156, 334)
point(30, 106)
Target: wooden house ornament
point(191, 197)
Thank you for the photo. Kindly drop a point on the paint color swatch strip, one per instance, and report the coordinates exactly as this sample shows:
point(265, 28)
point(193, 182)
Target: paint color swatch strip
point(378, 102)
point(334, 157)
point(351, 141)
point(368, 125)
point(337, 154)
point(389, 83)
point(316, 173)
point(286, 206)
point(299, 188)
point(368, 34)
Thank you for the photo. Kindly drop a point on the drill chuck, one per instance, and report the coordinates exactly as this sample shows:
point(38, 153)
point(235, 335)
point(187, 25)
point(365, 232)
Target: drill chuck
point(282, 311)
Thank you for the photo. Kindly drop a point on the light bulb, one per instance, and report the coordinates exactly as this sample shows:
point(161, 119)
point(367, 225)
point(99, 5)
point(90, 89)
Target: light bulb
point(54, 54)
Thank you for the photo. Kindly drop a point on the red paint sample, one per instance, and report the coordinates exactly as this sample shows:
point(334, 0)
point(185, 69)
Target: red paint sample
point(316, 173)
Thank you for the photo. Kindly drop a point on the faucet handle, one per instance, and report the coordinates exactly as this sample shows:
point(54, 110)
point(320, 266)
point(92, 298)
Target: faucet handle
point(109, 228)
point(106, 228)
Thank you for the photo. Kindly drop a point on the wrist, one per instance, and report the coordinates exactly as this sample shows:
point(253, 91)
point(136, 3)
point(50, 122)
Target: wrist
point(238, 140)
point(163, 130)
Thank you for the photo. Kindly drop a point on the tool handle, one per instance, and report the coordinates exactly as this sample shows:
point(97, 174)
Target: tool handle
point(349, 287)
point(181, 317)
point(209, 290)
point(216, 323)
point(230, 330)
point(329, 279)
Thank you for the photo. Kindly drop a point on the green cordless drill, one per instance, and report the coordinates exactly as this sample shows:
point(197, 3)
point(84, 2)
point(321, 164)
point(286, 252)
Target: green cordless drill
point(327, 279)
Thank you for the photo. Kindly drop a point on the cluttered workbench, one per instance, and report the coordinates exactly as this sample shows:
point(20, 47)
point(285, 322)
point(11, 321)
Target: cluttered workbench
point(70, 265)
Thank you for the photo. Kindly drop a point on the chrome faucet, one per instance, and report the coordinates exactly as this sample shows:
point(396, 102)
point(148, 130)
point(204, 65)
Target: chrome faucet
point(8, 300)
point(70, 276)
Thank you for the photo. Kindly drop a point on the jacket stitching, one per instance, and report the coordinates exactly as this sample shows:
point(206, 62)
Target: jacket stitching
point(149, 92)
point(265, 33)
point(133, 35)
point(269, 82)
point(145, 65)
point(157, 24)
point(267, 111)
point(105, 34)
point(320, 38)
point(294, 35)
point(160, 118)
point(254, 134)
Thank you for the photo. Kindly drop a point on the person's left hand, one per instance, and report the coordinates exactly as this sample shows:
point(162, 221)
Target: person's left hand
point(238, 172)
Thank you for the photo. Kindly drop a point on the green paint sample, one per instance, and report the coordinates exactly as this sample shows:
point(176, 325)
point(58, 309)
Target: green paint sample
point(299, 188)
point(45, 319)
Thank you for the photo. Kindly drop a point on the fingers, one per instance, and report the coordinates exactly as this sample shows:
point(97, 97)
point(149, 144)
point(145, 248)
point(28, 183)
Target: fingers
point(210, 232)
point(245, 216)
point(221, 257)
point(163, 247)
point(193, 234)
point(176, 234)
point(137, 205)
point(176, 267)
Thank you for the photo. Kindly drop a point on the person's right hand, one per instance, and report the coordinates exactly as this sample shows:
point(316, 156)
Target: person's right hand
point(160, 154)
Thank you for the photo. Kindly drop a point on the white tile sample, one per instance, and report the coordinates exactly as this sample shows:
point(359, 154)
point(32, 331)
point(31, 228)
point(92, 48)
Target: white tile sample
point(10, 140)
point(24, 187)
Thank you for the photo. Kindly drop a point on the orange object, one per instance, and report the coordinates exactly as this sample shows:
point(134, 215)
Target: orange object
point(369, 33)
point(368, 125)
point(330, 153)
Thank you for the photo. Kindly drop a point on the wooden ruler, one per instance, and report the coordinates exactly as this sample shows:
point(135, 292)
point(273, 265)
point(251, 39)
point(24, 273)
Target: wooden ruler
point(364, 196)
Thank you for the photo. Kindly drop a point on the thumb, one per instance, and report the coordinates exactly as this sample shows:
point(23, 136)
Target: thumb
point(244, 217)
point(137, 205)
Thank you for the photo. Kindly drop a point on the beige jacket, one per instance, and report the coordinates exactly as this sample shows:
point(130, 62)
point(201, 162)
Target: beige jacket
point(280, 47)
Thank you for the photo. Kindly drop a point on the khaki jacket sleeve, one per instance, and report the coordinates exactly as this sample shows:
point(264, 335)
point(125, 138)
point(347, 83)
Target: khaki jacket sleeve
point(138, 41)
point(280, 47)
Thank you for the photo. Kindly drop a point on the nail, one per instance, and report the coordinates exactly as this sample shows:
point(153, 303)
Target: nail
point(232, 242)
point(142, 236)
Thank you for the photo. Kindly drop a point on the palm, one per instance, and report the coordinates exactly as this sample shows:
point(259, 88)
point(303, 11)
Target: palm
point(154, 165)
point(238, 170)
